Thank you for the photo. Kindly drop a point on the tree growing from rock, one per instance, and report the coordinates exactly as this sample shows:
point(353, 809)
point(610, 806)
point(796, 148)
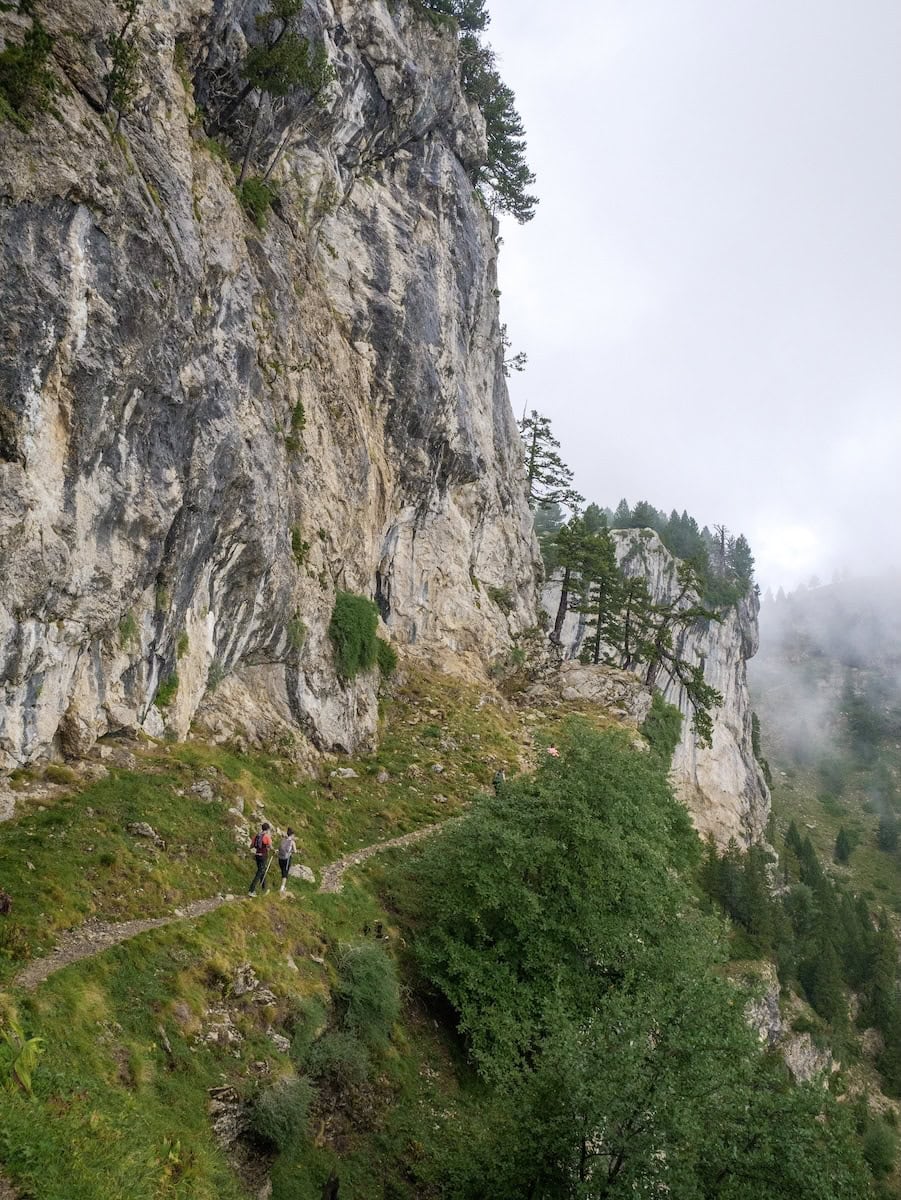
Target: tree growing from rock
point(282, 62)
point(123, 78)
point(548, 479)
point(26, 83)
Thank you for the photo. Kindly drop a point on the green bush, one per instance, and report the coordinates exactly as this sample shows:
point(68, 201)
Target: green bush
point(25, 80)
point(297, 632)
point(256, 199)
point(299, 548)
point(181, 648)
point(502, 597)
point(880, 1148)
point(298, 423)
point(14, 941)
point(279, 1114)
point(368, 992)
point(305, 1024)
point(128, 629)
point(165, 693)
point(663, 728)
point(386, 656)
point(353, 633)
point(506, 900)
point(340, 1058)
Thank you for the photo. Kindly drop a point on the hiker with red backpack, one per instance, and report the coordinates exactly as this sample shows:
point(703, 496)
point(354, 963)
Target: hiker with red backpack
point(261, 847)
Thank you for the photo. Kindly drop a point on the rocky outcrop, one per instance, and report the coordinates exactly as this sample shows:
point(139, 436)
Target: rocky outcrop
point(721, 784)
point(803, 1057)
point(206, 429)
point(619, 692)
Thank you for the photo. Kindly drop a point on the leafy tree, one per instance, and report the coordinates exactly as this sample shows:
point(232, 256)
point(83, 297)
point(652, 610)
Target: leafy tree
point(554, 920)
point(551, 892)
point(548, 478)
point(25, 79)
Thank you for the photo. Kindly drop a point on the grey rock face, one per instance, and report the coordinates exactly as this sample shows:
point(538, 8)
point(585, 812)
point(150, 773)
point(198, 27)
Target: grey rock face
point(163, 516)
point(722, 785)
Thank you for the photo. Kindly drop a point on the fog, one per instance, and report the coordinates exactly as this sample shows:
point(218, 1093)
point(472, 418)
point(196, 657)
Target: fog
point(710, 293)
point(824, 652)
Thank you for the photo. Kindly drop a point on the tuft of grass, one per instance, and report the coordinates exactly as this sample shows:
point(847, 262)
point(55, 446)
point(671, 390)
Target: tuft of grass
point(386, 656)
point(128, 630)
point(299, 548)
point(166, 691)
point(502, 597)
point(57, 773)
point(297, 632)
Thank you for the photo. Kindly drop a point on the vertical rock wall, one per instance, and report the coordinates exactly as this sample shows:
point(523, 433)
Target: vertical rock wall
point(206, 429)
point(722, 785)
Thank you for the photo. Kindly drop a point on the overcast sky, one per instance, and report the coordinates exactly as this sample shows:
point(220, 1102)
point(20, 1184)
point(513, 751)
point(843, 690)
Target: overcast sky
point(710, 292)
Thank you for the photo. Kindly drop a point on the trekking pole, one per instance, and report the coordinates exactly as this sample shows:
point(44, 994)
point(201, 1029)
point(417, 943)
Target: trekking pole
point(266, 872)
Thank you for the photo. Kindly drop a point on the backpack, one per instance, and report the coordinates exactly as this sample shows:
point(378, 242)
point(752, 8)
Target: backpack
point(257, 845)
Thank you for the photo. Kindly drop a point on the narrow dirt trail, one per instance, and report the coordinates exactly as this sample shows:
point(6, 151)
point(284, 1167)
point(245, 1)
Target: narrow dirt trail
point(333, 875)
point(94, 937)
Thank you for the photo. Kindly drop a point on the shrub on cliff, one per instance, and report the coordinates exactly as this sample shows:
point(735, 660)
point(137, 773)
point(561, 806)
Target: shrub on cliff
point(663, 728)
point(25, 81)
point(353, 632)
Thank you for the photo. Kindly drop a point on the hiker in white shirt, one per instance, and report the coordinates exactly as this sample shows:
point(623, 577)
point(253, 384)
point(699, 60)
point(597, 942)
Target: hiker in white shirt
point(287, 847)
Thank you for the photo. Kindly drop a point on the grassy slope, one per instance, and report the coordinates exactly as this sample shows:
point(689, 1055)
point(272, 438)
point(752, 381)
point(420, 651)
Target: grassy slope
point(120, 1102)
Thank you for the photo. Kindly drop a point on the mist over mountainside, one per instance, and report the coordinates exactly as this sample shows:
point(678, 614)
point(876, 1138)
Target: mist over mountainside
point(829, 666)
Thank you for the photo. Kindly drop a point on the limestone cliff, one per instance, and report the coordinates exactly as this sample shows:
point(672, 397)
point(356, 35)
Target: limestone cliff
point(207, 429)
point(722, 784)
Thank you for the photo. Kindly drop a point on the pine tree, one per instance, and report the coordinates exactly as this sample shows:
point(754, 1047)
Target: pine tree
point(659, 650)
point(25, 80)
point(843, 846)
point(504, 177)
point(821, 976)
point(887, 833)
point(635, 620)
point(740, 561)
point(622, 517)
point(572, 549)
point(602, 588)
point(646, 516)
point(548, 478)
point(122, 80)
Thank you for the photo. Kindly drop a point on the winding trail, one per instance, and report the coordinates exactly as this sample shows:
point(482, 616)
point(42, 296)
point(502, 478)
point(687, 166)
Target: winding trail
point(93, 937)
point(333, 875)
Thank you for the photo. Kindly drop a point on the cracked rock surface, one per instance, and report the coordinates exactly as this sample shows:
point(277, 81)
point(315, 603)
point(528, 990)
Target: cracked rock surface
point(207, 429)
